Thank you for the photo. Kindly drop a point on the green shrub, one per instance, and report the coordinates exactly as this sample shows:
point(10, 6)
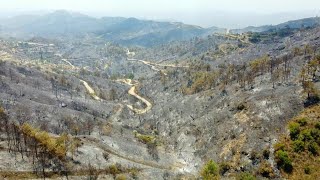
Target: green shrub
point(210, 171)
point(305, 135)
point(315, 133)
point(313, 148)
point(245, 176)
point(294, 130)
point(317, 125)
point(307, 170)
point(302, 121)
point(283, 161)
point(279, 146)
point(298, 145)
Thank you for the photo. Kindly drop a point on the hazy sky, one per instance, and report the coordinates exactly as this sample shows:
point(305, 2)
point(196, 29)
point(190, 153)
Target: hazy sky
point(225, 13)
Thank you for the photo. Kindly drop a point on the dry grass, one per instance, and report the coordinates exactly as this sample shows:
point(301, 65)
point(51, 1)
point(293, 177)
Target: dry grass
point(234, 145)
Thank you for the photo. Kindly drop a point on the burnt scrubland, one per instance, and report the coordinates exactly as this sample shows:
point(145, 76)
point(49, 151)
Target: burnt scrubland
point(210, 106)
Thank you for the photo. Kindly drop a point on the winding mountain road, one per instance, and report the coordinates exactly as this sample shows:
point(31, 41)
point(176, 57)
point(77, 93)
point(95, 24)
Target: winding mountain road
point(90, 90)
point(69, 63)
point(132, 92)
point(130, 82)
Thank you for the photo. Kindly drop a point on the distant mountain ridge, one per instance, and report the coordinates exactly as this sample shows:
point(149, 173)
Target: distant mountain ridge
point(294, 24)
point(128, 31)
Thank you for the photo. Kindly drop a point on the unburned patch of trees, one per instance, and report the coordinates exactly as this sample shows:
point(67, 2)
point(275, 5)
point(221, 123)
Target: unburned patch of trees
point(46, 152)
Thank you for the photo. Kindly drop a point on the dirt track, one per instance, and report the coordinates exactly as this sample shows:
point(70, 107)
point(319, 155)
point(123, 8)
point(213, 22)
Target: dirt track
point(132, 91)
